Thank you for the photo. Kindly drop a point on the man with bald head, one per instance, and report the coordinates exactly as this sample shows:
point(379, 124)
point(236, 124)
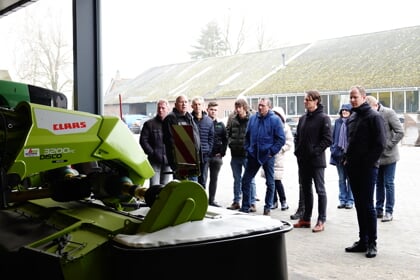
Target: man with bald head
point(179, 116)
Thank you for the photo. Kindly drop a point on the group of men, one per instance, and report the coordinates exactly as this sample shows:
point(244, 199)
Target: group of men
point(255, 139)
point(203, 146)
point(370, 152)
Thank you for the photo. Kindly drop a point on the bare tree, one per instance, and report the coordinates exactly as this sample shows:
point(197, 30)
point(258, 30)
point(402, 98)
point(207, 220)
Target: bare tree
point(263, 42)
point(236, 46)
point(260, 35)
point(45, 58)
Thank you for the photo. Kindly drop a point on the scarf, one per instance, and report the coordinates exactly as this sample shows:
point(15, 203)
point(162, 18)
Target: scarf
point(342, 136)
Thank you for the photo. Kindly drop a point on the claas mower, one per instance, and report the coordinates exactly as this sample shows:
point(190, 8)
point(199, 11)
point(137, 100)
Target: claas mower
point(70, 182)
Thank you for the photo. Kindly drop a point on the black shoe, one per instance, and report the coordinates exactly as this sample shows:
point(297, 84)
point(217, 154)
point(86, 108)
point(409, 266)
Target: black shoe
point(357, 247)
point(371, 250)
point(214, 204)
point(341, 206)
point(253, 208)
point(298, 215)
point(379, 215)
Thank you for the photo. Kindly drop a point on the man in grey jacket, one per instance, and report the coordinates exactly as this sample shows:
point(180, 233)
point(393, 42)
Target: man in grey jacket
point(385, 187)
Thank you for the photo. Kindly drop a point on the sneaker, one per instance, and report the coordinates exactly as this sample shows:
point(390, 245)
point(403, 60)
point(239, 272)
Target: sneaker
point(252, 208)
point(318, 227)
point(284, 206)
point(302, 224)
point(275, 205)
point(297, 215)
point(387, 217)
point(379, 214)
point(341, 206)
point(349, 206)
point(234, 206)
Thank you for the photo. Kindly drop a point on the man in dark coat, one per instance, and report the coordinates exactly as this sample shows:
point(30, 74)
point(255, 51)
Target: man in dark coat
point(151, 140)
point(366, 142)
point(313, 137)
point(206, 130)
point(181, 116)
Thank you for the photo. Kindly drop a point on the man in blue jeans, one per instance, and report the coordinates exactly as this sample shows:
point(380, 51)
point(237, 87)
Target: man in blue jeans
point(388, 161)
point(264, 138)
point(236, 128)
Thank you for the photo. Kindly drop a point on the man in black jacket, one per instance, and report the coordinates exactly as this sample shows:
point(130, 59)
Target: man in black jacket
point(313, 137)
point(181, 117)
point(236, 128)
point(215, 161)
point(151, 140)
point(366, 142)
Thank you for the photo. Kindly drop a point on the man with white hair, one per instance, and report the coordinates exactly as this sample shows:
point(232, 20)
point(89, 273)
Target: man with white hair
point(385, 187)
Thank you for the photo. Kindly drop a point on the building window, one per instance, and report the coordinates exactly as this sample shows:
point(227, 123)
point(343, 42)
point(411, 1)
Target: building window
point(281, 102)
point(412, 101)
point(300, 105)
point(324, 101)
point(291, 105)
point(398, 101)
point(334, 104)
point(385, 99)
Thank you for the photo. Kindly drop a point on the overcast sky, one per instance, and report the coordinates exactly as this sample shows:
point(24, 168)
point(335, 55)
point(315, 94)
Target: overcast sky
point(137, 35)
point(142, 34)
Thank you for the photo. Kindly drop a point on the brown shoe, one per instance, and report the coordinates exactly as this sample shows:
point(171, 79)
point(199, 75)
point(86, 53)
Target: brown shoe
point(302, 224)
point(234, 206)
point(252, 208)
point(266, 213)
point(318, 227)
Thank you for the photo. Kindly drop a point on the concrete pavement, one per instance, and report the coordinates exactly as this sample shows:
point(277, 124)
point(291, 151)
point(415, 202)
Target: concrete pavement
point(321, 255)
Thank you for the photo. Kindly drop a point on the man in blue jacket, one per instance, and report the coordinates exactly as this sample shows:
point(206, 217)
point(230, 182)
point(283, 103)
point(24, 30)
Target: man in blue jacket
point(264, 138)
point(206, 130)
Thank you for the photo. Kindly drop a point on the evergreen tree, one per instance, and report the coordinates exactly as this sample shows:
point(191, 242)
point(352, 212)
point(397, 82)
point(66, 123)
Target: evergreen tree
point(210, 43)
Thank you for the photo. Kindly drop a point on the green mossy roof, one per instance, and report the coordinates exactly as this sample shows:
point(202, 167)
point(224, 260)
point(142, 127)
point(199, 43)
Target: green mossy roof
point(388, 59)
